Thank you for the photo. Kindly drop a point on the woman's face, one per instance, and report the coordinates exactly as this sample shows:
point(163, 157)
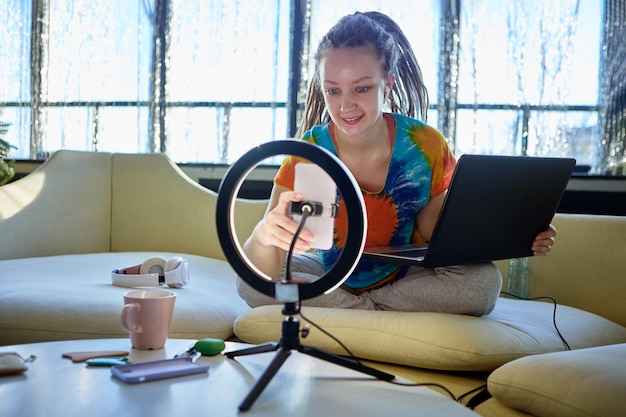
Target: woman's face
point(354, 87)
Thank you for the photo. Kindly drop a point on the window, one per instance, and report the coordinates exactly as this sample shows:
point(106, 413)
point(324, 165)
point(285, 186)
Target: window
point(223, 87)
point(206, 81)
point(528, 78)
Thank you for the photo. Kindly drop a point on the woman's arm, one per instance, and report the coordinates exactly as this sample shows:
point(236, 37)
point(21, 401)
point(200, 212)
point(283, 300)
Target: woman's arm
point(427, 217)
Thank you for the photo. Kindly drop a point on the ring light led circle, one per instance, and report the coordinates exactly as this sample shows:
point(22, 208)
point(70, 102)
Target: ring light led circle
point(347, 186)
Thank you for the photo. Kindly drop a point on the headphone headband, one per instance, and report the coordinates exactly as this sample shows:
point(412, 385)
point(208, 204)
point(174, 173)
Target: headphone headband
point(173, 272)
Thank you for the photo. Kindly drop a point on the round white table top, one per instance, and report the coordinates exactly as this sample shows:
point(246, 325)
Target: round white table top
point(303, 386)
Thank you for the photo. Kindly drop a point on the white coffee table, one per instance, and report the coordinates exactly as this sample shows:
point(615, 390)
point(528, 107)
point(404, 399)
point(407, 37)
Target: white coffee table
point(304, 386)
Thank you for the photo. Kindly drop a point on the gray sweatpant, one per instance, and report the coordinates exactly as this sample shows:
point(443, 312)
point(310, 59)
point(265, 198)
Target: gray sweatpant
point(458, 289)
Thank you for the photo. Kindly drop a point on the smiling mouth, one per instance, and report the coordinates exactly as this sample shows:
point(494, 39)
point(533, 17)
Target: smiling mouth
point(352, 119)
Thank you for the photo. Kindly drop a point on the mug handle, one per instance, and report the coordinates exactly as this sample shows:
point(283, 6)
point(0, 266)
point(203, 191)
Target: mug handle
point(127, 319)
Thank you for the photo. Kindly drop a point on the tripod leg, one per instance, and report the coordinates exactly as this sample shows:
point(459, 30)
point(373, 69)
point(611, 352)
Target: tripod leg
point(268, 347)
point(259, 386)
point(346, 362)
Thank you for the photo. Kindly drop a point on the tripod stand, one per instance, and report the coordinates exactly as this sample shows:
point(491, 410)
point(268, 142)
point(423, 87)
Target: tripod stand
point(290, 340)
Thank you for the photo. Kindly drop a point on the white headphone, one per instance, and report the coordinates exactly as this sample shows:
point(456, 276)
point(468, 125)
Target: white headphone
point(174, 272)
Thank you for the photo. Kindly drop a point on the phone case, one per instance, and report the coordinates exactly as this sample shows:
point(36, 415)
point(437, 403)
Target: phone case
point(161, 369)
point(316, 185)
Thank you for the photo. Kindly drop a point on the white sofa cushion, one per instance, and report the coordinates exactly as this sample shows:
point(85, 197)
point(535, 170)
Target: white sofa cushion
point(442, 341)
point(580, 383)
point(71, 297)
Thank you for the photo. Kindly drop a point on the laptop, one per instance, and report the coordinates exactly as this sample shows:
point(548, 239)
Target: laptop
point(494, 209)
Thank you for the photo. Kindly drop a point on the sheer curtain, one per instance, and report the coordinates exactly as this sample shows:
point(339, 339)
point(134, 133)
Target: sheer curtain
point(528, 79)
point(234, 55)
point(93, 78)
point(613, 152)
point(15, 43)
point(79, 84)
point(95, 75)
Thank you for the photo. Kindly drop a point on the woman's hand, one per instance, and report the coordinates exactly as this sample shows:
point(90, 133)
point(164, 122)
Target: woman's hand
point(270, 241)
point(544, 241)
point(278, 228)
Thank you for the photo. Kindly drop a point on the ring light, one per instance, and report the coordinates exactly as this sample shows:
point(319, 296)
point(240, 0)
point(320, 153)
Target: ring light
point(286, 291)
point(347, 186)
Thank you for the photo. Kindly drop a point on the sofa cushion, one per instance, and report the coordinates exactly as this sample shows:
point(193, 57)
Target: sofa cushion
point(49, 211)
point(71, 297)
point(162, 209)
point(442, 341)
point(585, 382)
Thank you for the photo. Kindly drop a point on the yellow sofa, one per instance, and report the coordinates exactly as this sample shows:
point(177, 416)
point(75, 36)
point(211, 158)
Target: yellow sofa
point(66, 226)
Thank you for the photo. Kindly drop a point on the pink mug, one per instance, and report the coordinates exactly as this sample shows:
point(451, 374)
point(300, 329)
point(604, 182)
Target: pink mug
point(146, 316)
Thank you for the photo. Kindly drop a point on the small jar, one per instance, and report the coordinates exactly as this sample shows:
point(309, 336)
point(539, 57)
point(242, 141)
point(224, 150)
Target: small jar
point(517, 278)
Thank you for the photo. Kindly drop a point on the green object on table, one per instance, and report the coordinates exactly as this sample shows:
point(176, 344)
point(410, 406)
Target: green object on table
point(209, 346)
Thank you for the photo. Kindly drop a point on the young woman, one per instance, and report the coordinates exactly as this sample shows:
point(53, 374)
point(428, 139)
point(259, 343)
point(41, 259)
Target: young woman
point(402, 165)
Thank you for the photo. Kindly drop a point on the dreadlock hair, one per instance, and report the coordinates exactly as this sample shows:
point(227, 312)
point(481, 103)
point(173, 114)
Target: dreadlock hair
point(408, 95)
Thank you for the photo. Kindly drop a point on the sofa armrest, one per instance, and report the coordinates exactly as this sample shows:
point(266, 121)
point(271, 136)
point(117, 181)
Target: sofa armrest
point(586, 268)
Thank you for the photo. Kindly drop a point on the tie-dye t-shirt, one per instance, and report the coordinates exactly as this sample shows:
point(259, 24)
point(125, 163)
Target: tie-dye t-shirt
point(421, 167)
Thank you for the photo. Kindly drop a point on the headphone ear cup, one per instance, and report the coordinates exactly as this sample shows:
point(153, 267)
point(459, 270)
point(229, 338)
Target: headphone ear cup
point(172, 263)
point(178, 275)
point(154, 265)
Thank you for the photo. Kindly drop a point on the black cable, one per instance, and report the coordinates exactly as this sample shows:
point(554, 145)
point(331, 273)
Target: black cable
point(327, 333)
point(470, 392)
point(424, 384)
point(306, 212)
point(543, 297)
point(482, 396)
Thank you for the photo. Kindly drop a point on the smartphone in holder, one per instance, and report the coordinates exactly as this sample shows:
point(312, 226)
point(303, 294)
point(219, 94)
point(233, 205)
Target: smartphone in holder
point(318, 187)
point(150, 371)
